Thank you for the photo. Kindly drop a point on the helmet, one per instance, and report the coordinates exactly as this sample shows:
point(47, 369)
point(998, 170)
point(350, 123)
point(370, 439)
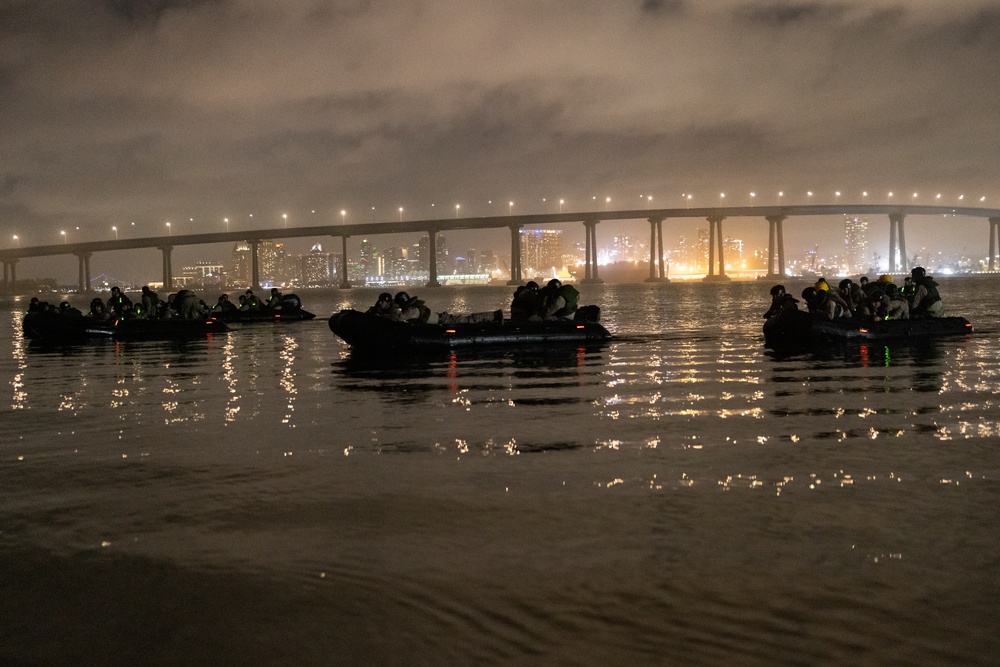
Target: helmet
point(822, 286)
point(918, 272)
point(845, 283)
point(402, 298)
point(385, 296)
point(532, 285)
point(885, 278)
point(777, 290)
point(809, 293)
point(554, 284)
point(64, 305)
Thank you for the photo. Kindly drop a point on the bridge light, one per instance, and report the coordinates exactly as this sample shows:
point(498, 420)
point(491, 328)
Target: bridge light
point(400, 213)
point(961, 197)
point(115, 230)
point(982, 199)
point(938, 196)
point(561, 202)
point(510, 208)
point(226, 220)
point(864, 194)
point(343, 215)
point(914, 195)
point(17, 241)
point(284, 216)
point(168, 229)
point(63, 232)
point(459, 206)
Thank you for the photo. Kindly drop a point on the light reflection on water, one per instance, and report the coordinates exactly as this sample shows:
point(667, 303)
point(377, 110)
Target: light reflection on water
point(679, 494)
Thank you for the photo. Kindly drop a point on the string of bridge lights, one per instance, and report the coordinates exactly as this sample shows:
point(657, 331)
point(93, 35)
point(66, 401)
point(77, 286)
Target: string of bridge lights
point(688, 199)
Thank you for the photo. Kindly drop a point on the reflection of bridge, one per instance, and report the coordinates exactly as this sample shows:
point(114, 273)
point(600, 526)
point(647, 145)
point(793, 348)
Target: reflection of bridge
point(775, 216)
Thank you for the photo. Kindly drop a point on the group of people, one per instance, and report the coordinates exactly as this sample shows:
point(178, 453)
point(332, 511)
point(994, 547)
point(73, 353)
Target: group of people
point(876, 300)
point(555, 301)
point(405, 308)
point(183, 304)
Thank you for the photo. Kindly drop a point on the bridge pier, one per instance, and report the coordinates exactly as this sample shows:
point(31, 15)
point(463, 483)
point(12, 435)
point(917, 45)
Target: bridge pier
point(168, 270)
point(715, 239)
point(83, 272)
point(9, 266)
point(897, 243)
point(345, 282)
point(590, 265)
point(432, 261)
point(254, 264)
point(994, 238)
point(515, 255)
point(657, 274)
point(775, 246)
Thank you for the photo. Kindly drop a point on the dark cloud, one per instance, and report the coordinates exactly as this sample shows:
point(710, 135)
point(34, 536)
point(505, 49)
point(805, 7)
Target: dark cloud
point(151, 10)
point(783, 13)
point(155, 109)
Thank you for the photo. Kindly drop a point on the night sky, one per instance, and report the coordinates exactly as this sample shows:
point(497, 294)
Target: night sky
point(147, 111)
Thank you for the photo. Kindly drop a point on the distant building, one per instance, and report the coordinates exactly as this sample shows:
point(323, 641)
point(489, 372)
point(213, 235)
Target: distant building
point(202, 273)
point(856, 255)
point(273, 264)
point(541, 251)
point(317, 267)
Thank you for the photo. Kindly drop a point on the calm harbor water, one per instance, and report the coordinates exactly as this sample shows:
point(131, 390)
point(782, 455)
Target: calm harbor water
point(679, 495)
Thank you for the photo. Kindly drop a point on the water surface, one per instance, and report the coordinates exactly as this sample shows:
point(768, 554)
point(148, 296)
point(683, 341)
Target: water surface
point(677, 495)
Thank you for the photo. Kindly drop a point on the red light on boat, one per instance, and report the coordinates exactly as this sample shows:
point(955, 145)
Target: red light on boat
point(863, 330)
point(580, 326)
point(968, 324)
point(449, 331)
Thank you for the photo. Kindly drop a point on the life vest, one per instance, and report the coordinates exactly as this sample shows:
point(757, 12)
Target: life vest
point(571, 296)
point(932, 292)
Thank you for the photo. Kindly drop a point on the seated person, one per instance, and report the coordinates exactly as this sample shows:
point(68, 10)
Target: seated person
point(925, 302)
point(525, 302)
point(781, 302)
point(413, 310)
point(383, 307)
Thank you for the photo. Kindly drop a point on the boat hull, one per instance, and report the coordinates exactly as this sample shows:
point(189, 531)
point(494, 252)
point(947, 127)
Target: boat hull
point(368, 332)
point(62, 329)
point(799, 328)
point(252, 317)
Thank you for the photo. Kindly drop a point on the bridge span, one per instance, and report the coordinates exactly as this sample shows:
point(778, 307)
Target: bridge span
point(775, 216)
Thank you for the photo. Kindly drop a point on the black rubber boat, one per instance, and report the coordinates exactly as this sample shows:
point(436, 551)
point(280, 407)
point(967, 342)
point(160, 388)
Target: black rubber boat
point(368, 332)
point(253, 316)
point(798, 328)
point(57, 328)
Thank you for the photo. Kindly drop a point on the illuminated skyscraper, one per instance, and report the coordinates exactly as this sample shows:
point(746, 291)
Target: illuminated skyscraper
point(541, 251)
point(856, 256)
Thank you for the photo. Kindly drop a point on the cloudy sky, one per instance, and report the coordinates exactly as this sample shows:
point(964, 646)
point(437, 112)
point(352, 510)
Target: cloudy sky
point(147, 111)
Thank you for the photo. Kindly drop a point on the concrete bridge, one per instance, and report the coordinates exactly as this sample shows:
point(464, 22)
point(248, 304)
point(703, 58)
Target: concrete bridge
point(775, 217)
